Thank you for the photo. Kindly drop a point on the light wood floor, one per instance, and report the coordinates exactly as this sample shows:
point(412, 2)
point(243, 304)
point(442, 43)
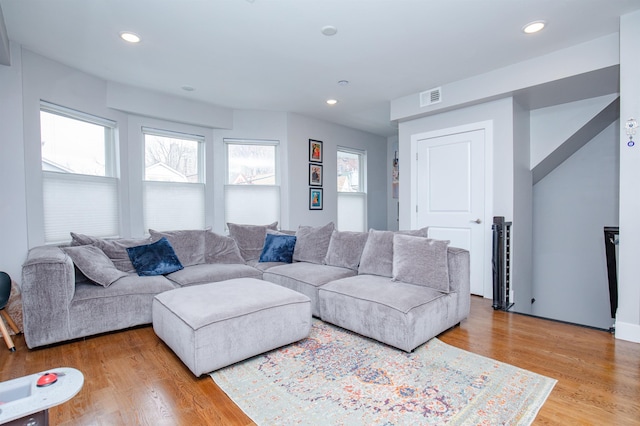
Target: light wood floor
point(132, 378)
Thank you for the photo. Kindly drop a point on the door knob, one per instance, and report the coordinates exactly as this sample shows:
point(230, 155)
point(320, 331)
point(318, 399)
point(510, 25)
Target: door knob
point(478, 221)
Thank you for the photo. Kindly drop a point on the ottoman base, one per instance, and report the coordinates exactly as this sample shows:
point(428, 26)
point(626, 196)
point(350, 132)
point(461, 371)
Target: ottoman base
point(210, 326)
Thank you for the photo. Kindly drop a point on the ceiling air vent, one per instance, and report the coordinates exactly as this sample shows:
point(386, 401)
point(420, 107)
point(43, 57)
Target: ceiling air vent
point(430, 97)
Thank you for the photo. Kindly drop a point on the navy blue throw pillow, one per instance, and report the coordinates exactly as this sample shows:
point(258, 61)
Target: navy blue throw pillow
point(278, 248)
point(154, 259)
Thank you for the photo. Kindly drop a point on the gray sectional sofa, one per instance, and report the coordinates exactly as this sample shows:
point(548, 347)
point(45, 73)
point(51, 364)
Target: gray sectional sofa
point(399, 288)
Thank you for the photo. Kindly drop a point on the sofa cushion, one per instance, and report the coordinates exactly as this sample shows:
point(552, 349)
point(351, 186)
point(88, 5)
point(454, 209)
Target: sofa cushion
point(189, 245)
point(278, 248)
point(377, 255)
point(379, 290)
point(345, 249)
point(250, 238)
point(312, 243)
point(421, 261)
point(157, 258)
point(221, 249)
point(115, 249)
point(94, 264)
point(214, 272)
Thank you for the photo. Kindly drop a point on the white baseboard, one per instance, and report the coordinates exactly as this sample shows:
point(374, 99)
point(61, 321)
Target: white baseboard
point(628, 331)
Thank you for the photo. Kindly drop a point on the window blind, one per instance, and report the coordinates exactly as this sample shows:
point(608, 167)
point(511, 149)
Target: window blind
point(79, 203)
point(352, 211)
point(173, 205)
point(252, 204)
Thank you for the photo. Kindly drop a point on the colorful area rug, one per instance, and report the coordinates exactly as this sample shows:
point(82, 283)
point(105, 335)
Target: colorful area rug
point(335, 377)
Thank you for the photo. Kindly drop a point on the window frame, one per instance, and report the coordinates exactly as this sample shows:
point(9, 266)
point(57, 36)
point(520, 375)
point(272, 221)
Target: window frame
point(260, 142)
point(362, 171)
point(110, 179)
point(276, 187)
point(149, 184)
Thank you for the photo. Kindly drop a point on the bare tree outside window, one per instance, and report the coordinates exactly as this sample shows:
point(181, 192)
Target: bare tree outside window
point(170, 159)
point(251, 164)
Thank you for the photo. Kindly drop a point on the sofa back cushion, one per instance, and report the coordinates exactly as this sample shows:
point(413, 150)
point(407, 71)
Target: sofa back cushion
point(312, 243)
point(221, 249)
point(377, 255)
point(94, 264)
point(250, 238)
point(115, 249)
point(189, 245)
point(345, 249)
point(421, 261)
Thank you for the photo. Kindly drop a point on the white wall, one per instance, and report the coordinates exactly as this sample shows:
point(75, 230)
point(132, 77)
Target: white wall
point(551, 126)
point(628, 317)
point(571, 206)
point(593, 55)
point(300, 130)
point(13, 209)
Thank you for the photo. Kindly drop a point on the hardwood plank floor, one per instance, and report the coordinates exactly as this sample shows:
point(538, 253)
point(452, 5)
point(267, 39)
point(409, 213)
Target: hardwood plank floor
point(132, 378)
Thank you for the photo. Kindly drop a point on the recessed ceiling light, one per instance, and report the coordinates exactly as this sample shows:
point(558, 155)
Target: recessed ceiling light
point(130, 37)
point(343, 83)
point(329, 30)
point(332, 101)
point(533, 27)
point(188, 88)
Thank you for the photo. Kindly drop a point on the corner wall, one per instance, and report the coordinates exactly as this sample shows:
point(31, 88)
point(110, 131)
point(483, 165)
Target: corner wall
point(628, 317)
point(299, 130)
point(13, 208)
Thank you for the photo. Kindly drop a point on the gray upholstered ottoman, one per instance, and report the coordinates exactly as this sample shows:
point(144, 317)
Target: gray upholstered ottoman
point(210, 326)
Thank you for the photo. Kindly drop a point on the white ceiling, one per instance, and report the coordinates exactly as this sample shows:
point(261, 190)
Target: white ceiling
point(271, 54)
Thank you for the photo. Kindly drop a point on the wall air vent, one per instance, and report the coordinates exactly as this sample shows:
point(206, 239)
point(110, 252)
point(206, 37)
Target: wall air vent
point(430, 97)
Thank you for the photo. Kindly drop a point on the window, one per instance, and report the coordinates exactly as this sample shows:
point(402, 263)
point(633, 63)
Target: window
point(252, 190)
point(174, 187)
point(79, 174)
point(352, 196)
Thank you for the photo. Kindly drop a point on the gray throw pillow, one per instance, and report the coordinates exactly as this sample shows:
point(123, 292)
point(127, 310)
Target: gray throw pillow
point(221, 249)
point(250, 238)
point(94, 264)
point(345, 249)
point(189, 245)
point(421, 261)
point(312, 243)
point(115, 249)
point(377, 255)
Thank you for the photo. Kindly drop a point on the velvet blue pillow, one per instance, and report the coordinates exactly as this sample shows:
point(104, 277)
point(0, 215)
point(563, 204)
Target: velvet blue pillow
point(154, 259)
point(278, 248)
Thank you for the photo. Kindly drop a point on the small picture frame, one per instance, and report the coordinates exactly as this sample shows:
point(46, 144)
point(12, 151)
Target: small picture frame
point(315, 151)
point(315, 174)
point(315, 198)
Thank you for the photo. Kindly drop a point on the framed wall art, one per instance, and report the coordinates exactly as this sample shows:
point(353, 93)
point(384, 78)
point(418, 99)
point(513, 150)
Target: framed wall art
point(315, 174)
point(315, 151)
point(315, 198)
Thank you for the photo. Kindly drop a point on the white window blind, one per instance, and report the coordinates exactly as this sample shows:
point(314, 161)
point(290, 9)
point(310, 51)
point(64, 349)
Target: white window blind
point(352, 211)
point(173, 205)
point(252, 204)
point(79, 203)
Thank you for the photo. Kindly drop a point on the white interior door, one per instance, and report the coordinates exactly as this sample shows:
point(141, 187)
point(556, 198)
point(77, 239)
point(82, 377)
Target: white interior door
point(450, 194)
